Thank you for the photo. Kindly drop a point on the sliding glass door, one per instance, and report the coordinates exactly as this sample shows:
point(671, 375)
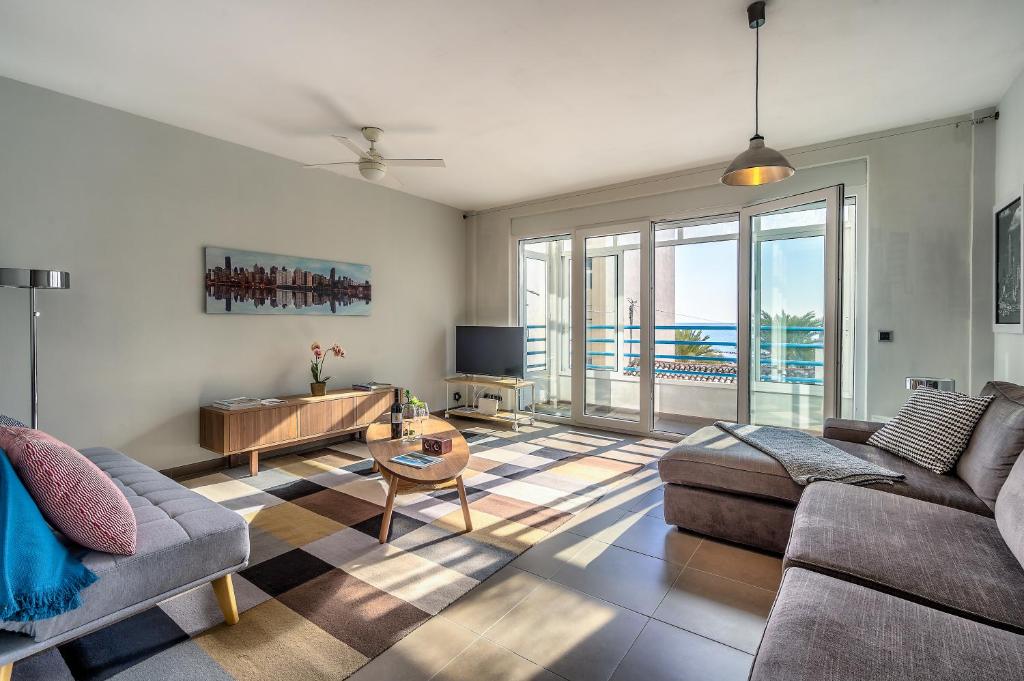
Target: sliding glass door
point(670, 325)
point(544, 308)
point(695, 307)
point(610, 319)
point(790, 304)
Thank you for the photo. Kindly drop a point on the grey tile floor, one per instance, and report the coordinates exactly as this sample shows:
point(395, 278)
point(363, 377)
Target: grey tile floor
point(614, 594)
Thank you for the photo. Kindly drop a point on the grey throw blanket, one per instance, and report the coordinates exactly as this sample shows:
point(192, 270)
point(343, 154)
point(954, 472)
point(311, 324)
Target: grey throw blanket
point(807, 458)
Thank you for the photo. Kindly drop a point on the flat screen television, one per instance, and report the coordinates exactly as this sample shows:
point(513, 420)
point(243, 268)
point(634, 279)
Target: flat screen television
point(490, 350)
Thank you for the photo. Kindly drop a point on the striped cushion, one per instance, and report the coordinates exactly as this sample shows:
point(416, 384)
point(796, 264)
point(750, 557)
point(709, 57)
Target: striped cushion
point(74, 495)
point(9, 422)
point(932, 428)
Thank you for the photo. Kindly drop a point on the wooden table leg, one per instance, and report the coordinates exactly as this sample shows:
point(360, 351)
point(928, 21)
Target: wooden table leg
point(254, 462)
point(465, 504)
point(385, 522)
point(225, 593)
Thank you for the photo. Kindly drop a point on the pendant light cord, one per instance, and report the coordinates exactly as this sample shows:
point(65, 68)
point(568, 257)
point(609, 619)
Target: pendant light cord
point(757, 76)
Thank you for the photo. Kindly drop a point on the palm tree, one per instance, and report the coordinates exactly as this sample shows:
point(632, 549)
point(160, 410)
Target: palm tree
point(796, 329)
point(692, 336)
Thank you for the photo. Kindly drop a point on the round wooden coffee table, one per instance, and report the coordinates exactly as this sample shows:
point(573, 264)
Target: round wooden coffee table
point(408, 479)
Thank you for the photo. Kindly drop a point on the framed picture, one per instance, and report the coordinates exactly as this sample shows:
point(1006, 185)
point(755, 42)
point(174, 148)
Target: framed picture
point(246, 282)
point(1008, 273)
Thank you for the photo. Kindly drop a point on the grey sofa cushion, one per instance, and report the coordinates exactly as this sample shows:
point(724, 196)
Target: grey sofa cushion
point(712, 459)
point(824, 629)
point(1010, 510)
point(183, 537)
point(942, 557)
point(997, 441)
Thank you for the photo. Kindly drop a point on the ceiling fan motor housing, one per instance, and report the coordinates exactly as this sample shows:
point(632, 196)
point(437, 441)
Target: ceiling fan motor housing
point(372, 169)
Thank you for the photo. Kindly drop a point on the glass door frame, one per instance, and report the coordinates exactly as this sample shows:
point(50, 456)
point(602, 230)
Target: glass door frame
point(834, 202)
point(560, 365)
point(643, 424)
point(681, 221)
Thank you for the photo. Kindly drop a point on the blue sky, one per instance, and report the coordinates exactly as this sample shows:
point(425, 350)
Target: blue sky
point(705, 280)
point(215, 258)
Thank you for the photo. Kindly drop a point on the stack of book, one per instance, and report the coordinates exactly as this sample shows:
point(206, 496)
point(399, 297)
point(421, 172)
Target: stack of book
point(370, 385)
point(237, 403)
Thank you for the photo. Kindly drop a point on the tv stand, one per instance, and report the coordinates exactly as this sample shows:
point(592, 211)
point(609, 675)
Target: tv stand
point(512, 416)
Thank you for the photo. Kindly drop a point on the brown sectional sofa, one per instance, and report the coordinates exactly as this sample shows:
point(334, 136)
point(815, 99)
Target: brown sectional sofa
point(919, 580)
point(719, 486)
point(879, 586)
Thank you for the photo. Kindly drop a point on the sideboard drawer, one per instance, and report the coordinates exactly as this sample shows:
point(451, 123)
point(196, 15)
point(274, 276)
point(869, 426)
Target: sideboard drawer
point(328, 416)
point(369, 407)
point(253, 429)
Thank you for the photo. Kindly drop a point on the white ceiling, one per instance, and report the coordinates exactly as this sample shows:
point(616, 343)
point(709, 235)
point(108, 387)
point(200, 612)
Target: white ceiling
point(523, 98)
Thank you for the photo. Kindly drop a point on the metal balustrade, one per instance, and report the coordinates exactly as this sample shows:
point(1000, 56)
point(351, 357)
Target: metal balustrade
point(536, 347)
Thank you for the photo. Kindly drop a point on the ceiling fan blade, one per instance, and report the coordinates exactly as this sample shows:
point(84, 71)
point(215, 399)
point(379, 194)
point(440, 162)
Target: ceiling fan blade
point(352, 146)
point(421, 162)
point(326, 165)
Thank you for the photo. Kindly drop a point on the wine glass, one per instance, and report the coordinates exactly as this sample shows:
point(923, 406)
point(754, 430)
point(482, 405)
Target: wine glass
point(422, 414)
point(408, 422)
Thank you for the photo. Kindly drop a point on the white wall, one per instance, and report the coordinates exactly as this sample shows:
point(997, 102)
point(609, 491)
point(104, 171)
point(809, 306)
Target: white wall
point(126, 205)
point(914, 247)
point(1009, 348)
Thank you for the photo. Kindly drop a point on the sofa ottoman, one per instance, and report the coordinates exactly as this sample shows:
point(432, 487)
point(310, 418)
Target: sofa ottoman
point(184, 540)
point(826, 629)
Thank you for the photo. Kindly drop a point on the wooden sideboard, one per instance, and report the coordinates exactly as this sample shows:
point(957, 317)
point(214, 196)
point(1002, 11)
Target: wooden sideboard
point(299, 419)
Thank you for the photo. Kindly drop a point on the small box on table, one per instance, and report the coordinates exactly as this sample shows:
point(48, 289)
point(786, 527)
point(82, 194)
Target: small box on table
point(437, 444)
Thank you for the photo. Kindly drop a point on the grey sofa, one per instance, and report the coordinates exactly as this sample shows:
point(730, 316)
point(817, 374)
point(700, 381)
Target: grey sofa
point(719, 486)
point(882, 586)
point(184, 540)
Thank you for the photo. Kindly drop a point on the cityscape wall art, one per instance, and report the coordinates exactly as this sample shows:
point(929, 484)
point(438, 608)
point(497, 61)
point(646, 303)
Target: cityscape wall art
point(245, 282)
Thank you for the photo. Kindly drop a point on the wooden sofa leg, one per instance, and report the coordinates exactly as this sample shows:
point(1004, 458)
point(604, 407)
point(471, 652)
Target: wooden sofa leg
point(225, 593)
point(5, 671)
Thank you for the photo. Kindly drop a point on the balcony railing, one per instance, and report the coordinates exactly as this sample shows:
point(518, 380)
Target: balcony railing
point(703, 367)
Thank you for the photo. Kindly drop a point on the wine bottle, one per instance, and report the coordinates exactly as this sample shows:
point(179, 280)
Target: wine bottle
point(396, 416)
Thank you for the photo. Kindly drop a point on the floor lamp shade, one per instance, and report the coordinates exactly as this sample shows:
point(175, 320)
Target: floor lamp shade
point(17, 277)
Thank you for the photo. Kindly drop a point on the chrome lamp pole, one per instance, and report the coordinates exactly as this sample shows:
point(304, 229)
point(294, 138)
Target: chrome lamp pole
point(16, 277)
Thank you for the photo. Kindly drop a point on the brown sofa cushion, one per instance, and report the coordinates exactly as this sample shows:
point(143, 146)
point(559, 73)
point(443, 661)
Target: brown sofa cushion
point(942, 557)
point(824, 629)
point(918, 482)
point(997, 442)
point(712, 459)
point(1010, 510)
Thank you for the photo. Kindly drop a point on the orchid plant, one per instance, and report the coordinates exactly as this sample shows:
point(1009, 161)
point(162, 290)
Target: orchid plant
point(316, 365)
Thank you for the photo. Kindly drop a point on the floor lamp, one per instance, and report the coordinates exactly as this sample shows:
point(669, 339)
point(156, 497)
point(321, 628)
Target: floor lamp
point(16, 277)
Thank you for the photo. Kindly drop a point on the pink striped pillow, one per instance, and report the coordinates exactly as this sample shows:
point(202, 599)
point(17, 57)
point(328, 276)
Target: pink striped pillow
point(75, 496)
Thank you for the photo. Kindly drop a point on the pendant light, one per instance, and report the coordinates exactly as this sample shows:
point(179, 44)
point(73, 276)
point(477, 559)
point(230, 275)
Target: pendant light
point(759, 164)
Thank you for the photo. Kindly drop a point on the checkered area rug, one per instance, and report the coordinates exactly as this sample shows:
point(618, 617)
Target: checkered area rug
point(321, 597)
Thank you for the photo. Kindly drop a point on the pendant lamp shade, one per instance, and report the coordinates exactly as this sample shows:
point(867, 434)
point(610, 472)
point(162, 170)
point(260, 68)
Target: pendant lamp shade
point(758, 164)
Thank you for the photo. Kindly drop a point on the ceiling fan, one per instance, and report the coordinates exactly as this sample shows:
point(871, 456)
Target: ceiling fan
point(373, 165)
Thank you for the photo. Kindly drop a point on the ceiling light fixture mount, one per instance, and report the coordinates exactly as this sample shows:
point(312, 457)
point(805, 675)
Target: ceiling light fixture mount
point(372, 164)
point(758, 164)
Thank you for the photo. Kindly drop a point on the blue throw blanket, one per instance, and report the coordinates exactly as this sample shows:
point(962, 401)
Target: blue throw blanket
point(39, 577)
